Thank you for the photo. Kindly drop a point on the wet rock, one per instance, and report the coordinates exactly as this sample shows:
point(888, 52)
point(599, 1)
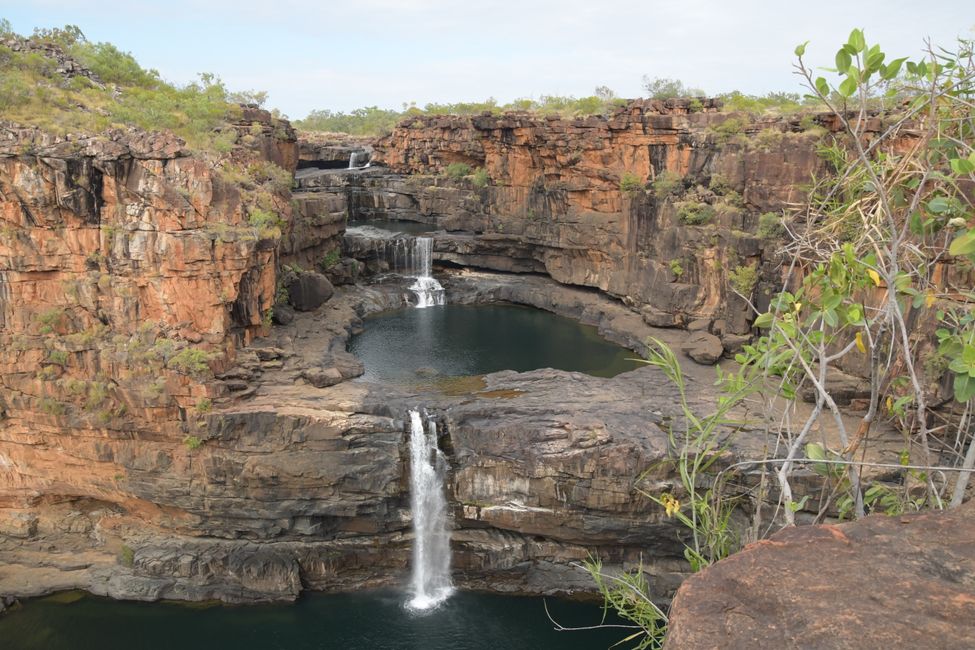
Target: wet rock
point(309, 291)
point(703, 348)
point(880, 582)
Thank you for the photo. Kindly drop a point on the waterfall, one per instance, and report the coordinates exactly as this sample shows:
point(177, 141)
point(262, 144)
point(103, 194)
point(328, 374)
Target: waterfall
point(428, 291)
point(431, 540)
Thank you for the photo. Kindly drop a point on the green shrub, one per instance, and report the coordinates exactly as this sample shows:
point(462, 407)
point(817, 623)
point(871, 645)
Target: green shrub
point(204, 405)
point(744, 279)
point(191, 361)
point(457, 170)
point(126, 556)
point(192, 442)
point(676, 268)
point(694, 213)
point(667, 183)
point(59, 357)
point(770, 225)
point(630, 183)
point(481, 178)
point(327, 262)
point(51, 406)
point(719, 184)
point(728, 129)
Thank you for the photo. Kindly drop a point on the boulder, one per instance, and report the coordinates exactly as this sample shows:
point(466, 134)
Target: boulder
point(703, 348)
point(309, 291)
point(283, 313)
point(880, 582)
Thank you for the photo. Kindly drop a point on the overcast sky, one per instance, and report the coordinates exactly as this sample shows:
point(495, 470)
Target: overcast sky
point(343, 55)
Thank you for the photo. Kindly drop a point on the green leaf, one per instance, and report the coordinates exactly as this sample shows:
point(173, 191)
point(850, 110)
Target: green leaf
point(938, 205)
point(822, 87)
point(764, 320)
point(830, 318)
point(848, 87)
point(963, 245)
point(891, 70)
point(856, 40)
point(801, 48)
point(815, 451)
point(962, 165)
point(843, 60)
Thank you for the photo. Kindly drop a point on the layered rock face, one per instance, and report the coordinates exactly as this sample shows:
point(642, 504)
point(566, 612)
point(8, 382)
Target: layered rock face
point(794, 589)
point(656, 204)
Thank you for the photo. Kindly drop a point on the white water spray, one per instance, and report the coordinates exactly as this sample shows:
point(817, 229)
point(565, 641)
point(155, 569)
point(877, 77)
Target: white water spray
point(428, 291)
point(431, 544)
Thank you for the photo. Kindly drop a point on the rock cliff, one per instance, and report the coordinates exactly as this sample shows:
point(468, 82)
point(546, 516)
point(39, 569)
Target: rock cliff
point(656, 204)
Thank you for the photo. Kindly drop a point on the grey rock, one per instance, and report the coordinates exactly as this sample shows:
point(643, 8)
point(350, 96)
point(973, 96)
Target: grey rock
point(309, 291)
point(703, 348)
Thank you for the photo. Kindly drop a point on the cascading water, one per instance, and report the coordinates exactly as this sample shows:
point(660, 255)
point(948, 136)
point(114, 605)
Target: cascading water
point(431, 540)
point(428, 291)
point(354, 160)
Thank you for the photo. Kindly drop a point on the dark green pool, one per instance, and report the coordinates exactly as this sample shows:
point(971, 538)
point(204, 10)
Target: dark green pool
point(464, 340)
point(365, 620)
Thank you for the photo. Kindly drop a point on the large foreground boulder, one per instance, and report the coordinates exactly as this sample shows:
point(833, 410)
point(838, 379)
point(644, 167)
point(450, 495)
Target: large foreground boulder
point(881, 582)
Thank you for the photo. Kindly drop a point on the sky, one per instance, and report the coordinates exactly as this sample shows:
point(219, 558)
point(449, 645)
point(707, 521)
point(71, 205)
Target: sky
point(343, 55)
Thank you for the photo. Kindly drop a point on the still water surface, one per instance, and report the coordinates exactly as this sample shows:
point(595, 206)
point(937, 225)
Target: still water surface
point(363, 620)
point(463, 340)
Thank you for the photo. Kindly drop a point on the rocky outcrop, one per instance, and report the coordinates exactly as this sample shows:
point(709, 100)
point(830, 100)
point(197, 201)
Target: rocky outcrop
point(655, 204)
point(881, 582)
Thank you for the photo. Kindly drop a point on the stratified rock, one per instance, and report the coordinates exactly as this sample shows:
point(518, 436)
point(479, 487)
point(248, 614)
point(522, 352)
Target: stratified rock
point(703, 347)
point(309, 291)
point(881, 582)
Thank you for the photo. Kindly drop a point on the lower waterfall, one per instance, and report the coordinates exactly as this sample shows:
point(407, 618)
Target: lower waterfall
point(430, 584)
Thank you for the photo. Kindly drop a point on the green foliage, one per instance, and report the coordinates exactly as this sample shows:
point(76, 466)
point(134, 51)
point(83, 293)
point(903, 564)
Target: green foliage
point(457, 171)
point(956, 344)
point(204, 405)
point(191, 361)
point(33, 92)
point(50, 319)
point(667, 183)
point(480, 178)
point(58, 357)
point(51, 406)
point(676, 268)
point(627, 595)
point(630, 183)
point(331, 259)
point(744, 279)
point(770, 225)
point(192, 443)
point(372, 120)
point(126, 556)
point(662, 88)
point(728, 129)
point(775, 103)
point(694, 213)
point(719, 184)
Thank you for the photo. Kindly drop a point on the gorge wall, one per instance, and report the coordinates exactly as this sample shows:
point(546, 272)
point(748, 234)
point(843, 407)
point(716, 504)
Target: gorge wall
point(159, 438)
point(694, 184)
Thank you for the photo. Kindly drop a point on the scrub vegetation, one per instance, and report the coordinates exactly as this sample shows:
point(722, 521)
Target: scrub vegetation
point(865, 269)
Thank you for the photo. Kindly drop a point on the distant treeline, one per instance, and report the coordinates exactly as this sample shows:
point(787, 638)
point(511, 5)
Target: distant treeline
point(373, 120)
